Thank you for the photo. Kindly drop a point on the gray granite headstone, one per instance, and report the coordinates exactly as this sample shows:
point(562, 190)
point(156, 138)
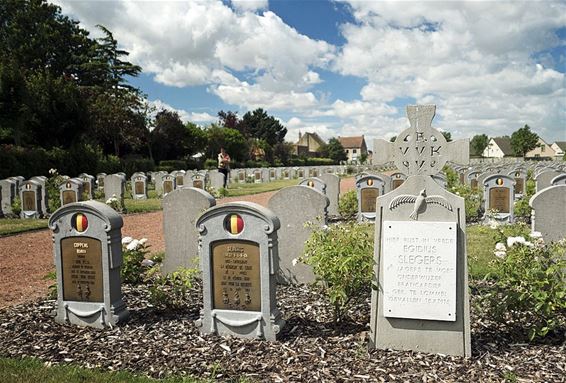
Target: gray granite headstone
point(44, 194)
point(549, 213)
point(114, 185)
point(559, 180)
point(440, 179)
point(544, 177)
point(332, 182)
point(397, 180)
point(87, 247)
point(216, 179)
point(314, 182)
point(139, 185)
point(421, 301)
point(179, 178)
point(238, 249)
point(168, 183)
point(9, 192)
point(368, 189)
point(71, 191)
point(295, 206)
point(100, 181)
point(30, 197)
point(181, 208)
point(520, 177)
point(499, 197)
point(199, 180)
point(89, 184)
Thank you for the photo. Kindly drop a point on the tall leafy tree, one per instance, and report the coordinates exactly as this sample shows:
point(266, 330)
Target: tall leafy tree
point(229, 119)
point(479, 143)
point(447, 136)
point(334, 150)
point(523, 140)
point(258, 124)
point(230, 139)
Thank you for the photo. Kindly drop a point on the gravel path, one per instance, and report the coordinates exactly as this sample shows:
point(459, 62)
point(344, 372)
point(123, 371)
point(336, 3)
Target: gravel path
point(26, 258)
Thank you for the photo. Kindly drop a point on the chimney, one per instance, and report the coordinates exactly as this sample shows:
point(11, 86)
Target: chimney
point(300, 135)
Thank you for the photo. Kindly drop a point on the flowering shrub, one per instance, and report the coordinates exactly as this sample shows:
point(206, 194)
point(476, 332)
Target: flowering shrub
point(530, 282)
point(348, 204)
point(115, 204)
point(16, 206)
point(134, 263)
point(472, 200)
point(52, 187)
point(342, 259)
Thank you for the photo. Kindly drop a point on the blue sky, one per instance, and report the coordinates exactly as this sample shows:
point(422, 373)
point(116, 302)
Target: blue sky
point(348, 67)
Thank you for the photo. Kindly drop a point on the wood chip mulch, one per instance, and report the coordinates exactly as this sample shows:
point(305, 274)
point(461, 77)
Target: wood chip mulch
point(311, 347)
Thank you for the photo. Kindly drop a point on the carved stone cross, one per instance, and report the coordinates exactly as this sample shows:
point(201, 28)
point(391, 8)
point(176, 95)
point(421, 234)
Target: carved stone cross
point(420, 149)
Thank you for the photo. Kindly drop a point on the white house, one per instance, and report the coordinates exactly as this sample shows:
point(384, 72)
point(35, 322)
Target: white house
point(542, 150)
point(498, 147)
point(559, 148)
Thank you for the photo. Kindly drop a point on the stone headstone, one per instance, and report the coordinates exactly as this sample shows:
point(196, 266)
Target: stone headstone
point(314, 182)
point(499, 196)
point(100, 180)
point(559, 180)
point(89, 184)
point(368, 188)
point(71, 191)
point(87, 247)
point(240, 176)
point(216, 179)
point(295, 206)
point(199, 180)
point(9, 192)
point(114, 185)
point(549, 213)
point(520, 177)
point(544, 177)
point(397, 180)
point(181, 208)
point(42, 180)
point(472, 179)
point(168, 184)
point(332, 182)
point(30, 197)
point(139, 185)
point(179, 178)
point(440, 179)
point(239, 256)
point(421, 302)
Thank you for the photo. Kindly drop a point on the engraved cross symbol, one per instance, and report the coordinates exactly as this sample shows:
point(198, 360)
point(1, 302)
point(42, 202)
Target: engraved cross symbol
point(420, 149)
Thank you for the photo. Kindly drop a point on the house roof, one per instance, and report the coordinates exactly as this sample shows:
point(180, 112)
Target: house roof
point(561, 145)
point(504, 144)
point(351, 142)
point(304, 138)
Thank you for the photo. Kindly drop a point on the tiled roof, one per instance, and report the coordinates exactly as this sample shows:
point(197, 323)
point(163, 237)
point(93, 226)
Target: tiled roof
point(351, 142)
point(561, 145)
point(504, 144)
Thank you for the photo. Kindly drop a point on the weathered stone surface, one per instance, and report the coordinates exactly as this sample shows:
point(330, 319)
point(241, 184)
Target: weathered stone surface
point(295, 206)
point(332, 182)
point(181, 209)
point(549, 212)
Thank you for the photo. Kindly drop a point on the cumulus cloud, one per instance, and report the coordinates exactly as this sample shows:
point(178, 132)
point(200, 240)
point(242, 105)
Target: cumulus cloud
point(475, 60)
point(250, 5)
point(199, 118)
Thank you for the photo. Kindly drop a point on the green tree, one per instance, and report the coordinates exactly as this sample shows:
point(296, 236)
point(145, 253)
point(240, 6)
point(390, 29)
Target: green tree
point(258, 124)
point(231, 140)
point(523, 140)
point(334, 150)
point(478, 144)
point(392, 139)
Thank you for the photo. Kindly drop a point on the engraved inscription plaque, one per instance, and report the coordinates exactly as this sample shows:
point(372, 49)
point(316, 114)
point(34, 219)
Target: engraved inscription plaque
point(257, 175)
point(197, 184)
point(499, 199)
point(69, 196)
point(519, 185)
point(397, 183)
point(139, 187)
point(419, 270)
point(81, 259)
point(167, 187)
point(236, 275)
point(301, 173)
point(86, 187)
point(272, 174)
point(368, 197)
point(180, 180)
point(241, 176)
point(474, 184)
point(315, 173)
point(28, 203)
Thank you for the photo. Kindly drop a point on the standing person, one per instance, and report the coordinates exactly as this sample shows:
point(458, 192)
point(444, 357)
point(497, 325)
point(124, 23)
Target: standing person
point(224, 165)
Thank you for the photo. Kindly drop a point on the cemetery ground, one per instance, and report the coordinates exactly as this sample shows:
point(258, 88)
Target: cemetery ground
point(164, 343)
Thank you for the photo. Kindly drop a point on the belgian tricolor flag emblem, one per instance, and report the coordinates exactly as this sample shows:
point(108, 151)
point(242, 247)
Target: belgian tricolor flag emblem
point(310, 183)
point(370, 182)
point(234, 224)
point(499, 181)
point(79, 222)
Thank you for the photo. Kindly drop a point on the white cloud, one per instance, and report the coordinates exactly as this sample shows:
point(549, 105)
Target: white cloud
point(185, 116)
point(250, 5)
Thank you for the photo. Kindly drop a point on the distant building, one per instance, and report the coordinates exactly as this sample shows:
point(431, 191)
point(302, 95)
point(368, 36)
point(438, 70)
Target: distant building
point(308, 145)
point(498, 147)
point(559, 148)
point(542, 150)
point(355, 147)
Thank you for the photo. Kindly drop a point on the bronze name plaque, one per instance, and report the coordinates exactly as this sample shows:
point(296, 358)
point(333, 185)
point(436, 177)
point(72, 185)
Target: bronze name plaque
point(397, 183)
point(462, 178)
point(286, 174)
point(241, 176)
point(301, 173)
point(474, 184)
point(167, 186)
point(69, 196)
point(257, 175)
point(28, 203)
point(315, 173)
point(139, 187)
point(197, 184)
point(368, 197)
point(81, 259)
point(272, 174)
point(86, 187)
point(519, 185)
point(180, 180)
point(236, 275)
point(499, 199)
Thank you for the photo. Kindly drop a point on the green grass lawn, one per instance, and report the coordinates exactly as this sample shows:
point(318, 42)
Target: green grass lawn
point(16, 225)
point(32, 370)
point(236, 190)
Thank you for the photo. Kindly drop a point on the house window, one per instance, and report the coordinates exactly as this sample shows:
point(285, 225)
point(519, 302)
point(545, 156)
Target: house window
point(354, 151)
point(542, 148)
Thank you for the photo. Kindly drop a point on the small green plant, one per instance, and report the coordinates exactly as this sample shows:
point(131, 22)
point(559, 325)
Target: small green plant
point(348, 204)
point(342, 259)
point(52, 289)
point(522, 209)
point(170, 291)
point(52, 186)
point(115, 203)
point(531, 282)
point(134, 264)
point(223, 192)
point(452, 178)
point(472, 201)
point(16, 206)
